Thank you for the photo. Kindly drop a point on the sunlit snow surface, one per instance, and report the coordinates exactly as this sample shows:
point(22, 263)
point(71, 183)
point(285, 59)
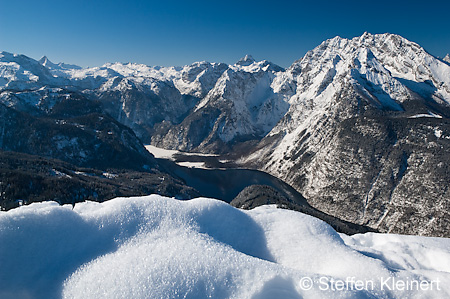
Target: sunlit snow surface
point(156, 247)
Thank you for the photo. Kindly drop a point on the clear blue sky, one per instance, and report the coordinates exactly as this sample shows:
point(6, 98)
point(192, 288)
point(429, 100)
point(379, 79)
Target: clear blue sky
point(177, 32)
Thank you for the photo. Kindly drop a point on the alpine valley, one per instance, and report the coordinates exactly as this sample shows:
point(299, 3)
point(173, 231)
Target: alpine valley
point(359, 128)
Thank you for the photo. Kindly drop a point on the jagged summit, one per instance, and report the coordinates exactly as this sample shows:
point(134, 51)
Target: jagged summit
point(45, 61)
point(350, 89)
point(246, 61)
point(60, 66)
point(447, 58)
point(250, 64)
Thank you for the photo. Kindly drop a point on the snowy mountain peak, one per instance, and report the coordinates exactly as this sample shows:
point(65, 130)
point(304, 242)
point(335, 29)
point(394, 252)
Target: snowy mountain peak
point(44, 61)
point(366, 35)
point(47, 63)
point(246, 61)
point(387, 62)
point(60, 66)
point(21, 72)
point(249, 64)
point(447, 58)
point(334, 91)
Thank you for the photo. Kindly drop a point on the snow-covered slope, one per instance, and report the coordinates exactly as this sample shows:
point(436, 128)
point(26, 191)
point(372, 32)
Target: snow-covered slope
point(384, 70)
point(153, 100)
point(20, 72)
point(155, 247)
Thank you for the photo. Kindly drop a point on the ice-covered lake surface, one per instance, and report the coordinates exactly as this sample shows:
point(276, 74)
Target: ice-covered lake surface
point(221, 183)
point(157, 247)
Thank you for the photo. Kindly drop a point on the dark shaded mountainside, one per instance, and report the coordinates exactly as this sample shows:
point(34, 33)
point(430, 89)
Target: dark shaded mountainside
point(359, 127)
point(31, 178)
point(74, 152)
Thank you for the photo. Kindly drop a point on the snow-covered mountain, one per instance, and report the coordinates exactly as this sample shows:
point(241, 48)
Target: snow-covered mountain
point(136, 95)
point(447, 58)
point(359, 126)
point(60, 66)
point(47, 115)
point(19, 72)
point(156, 247)
point(367, 133)
point(241, 106)
point(152, 100)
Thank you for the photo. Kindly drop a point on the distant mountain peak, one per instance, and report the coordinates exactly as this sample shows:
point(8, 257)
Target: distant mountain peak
point(447, 58)
point(44, 61)
point(366, 35)
point(245, 61)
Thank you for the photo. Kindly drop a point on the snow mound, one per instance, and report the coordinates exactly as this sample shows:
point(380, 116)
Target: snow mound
point(156, 247)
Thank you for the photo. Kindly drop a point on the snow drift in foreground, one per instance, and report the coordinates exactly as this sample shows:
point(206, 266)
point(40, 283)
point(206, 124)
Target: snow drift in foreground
point(156, 247)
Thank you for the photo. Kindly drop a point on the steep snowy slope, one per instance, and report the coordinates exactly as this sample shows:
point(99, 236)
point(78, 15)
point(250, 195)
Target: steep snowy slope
point(156, 247)
point(140, 96)
point(366, 136)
